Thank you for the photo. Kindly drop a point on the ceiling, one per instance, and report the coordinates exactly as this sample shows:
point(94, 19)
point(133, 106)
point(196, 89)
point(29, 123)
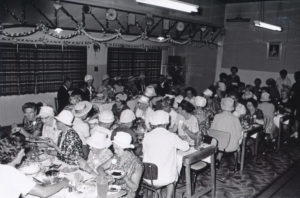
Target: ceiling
point(242, 1)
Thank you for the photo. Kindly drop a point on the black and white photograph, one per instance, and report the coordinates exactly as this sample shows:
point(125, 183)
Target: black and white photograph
point(149, 99)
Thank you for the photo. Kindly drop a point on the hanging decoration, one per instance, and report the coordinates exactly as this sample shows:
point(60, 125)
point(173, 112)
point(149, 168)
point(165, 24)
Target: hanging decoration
point(106, 38)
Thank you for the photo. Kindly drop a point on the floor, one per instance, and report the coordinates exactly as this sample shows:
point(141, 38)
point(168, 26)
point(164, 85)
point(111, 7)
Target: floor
point(259, 175)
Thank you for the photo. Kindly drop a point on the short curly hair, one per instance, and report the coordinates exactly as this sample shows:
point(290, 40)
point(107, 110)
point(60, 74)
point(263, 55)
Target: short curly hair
point(10, 146)
point(29, 105)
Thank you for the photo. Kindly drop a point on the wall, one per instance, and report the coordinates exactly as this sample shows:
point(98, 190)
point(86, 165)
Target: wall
point(245, 46)
point(200, 65)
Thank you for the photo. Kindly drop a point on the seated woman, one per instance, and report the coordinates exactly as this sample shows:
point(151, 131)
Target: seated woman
point(32, 124)
point(120, 105)
point(190, 94)
point(99, 153)
point(125, 160)
point(14, 183)
point(202, 115)
point(69, 147)
point(253, 114)
point(50, 129)
point(187, 123)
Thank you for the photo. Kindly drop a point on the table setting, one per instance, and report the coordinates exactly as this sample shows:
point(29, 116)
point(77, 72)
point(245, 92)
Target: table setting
point(46, 169)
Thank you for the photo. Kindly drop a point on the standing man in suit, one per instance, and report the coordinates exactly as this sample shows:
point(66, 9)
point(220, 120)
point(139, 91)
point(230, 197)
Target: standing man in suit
point(63, 94)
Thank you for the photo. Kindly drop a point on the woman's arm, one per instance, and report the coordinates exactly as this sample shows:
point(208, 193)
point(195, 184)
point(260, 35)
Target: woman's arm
point(134, 181)
point(46, 191)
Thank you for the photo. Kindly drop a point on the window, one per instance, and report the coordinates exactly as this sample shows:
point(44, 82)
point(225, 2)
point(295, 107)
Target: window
point(127, 62)
point(29, 69)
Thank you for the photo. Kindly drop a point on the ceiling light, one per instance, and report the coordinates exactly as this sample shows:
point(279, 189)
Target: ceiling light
point(160, 38)
point(58, 30)
point(267, 26)
point(172, 4)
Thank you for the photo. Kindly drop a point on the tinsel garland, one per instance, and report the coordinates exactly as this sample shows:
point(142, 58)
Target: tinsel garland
point(80, 30)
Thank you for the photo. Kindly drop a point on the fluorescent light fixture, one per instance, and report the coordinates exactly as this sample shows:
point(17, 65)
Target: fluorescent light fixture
point(160, 38)
point(58, 30)
point(267, 26)
point(172, 4)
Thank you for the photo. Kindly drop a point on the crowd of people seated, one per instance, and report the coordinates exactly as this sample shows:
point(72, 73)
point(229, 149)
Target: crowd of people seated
point(148, 123)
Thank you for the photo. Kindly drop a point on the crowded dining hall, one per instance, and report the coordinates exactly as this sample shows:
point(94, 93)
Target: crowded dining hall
point(149, 98)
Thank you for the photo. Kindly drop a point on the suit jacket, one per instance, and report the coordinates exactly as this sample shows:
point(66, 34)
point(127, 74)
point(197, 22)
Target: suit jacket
point(62, 98)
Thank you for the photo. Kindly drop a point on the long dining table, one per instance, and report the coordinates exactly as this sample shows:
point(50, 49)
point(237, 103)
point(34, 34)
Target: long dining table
point(255, 131)
point(194, 156)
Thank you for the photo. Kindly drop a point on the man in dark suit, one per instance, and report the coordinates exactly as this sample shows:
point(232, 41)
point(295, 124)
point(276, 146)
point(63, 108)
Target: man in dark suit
point(162, 86)
point(63, 94)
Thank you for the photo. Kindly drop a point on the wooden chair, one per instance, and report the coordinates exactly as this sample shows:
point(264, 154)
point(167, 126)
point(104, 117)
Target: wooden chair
point(151, 173)
point(223, 138)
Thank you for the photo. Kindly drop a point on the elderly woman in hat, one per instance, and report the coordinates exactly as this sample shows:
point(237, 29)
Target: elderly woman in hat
point(106, 119)
point(120, 104)
point(99, 154)
point(268, 110)
point(126, 161)
point(201, 115)
point(50, 129)
point(106, 89)
point(226, 121)
point(69, 146)
point(144, 110)
point(160, 147)
point(13, 182)
point(90, 90)
point(32, 124)
point(187, 123)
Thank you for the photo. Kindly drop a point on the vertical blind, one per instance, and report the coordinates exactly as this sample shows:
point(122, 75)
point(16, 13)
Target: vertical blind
point(126, 62)
point(27, 68)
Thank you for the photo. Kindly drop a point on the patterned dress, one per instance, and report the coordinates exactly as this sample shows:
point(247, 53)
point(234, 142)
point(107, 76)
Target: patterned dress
point(128, 163)
point(71, 147)
point(203, 120)
point(32, 126)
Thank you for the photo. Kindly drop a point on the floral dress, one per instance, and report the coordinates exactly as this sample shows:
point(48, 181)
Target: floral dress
point(71, 147)
point(128, 163)
point(203, 120)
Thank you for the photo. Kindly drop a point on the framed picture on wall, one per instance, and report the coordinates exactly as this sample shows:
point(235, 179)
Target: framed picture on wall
point(274, 50)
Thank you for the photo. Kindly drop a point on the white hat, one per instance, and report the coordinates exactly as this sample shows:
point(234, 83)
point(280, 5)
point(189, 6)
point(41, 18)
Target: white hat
point(98, 140)
point(66, 117)
point(127, 116)
point(105, 77)
point(123, 140)
point(46, 111)
point(159, 117)
point(98, 129)
point(208, 92)
point(88, 77)
point(200, 101)
point(221, 86)
point(106, 116)
point(144, 100)
point(227, 104)
point(150, 91)
point(82, 108)
point(239, 110)
point(265, 97)
point(121, 96)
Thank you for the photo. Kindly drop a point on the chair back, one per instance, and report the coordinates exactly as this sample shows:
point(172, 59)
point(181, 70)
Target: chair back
point(150, 171)
point(222, 137)
point(56, 104)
